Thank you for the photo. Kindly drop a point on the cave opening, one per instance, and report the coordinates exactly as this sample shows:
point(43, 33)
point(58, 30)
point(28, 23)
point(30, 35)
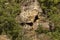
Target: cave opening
point(36, 18)
point(22, 24)
point(31, 24)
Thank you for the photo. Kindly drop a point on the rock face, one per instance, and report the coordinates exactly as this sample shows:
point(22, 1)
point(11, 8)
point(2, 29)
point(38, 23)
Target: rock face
point(30, 17)
point(28, 12)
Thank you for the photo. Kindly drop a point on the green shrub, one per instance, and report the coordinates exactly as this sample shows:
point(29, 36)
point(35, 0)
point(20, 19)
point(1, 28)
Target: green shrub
point(9, 9)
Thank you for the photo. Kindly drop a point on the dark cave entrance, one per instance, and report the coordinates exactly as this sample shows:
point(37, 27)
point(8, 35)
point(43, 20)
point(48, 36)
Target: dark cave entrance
point(31, 24)
point(36, 18)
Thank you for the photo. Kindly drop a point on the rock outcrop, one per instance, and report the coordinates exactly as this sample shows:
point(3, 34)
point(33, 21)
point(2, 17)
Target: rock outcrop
point(28, 12)
point(30, 17)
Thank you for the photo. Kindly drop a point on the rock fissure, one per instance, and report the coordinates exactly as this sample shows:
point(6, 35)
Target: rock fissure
point(31, 24)
point(36, 18)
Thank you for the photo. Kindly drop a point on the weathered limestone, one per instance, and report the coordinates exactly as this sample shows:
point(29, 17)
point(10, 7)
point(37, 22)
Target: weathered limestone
point(45, 25)
point(29, 10)
point(28, 16)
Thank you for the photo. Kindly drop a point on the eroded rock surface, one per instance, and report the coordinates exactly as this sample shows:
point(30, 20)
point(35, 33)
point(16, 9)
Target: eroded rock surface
point(29, 12)
point(30, 17)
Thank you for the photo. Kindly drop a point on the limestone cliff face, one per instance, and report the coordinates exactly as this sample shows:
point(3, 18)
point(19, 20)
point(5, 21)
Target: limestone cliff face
point(30, 17)
point(28, 12)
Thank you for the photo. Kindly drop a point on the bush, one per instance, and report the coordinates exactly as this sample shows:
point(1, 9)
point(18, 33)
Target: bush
point(51, 10)
point(8, 11)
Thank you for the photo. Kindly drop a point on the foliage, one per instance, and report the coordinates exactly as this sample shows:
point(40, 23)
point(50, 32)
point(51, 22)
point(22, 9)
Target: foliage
point(9, 9)
point(51, 8)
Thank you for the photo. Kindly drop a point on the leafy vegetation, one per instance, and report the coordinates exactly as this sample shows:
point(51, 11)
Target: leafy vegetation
point(9, 9)
point(51, 8)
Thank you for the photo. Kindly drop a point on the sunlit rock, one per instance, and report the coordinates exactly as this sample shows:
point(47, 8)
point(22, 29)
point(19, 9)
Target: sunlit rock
point(28, 12)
